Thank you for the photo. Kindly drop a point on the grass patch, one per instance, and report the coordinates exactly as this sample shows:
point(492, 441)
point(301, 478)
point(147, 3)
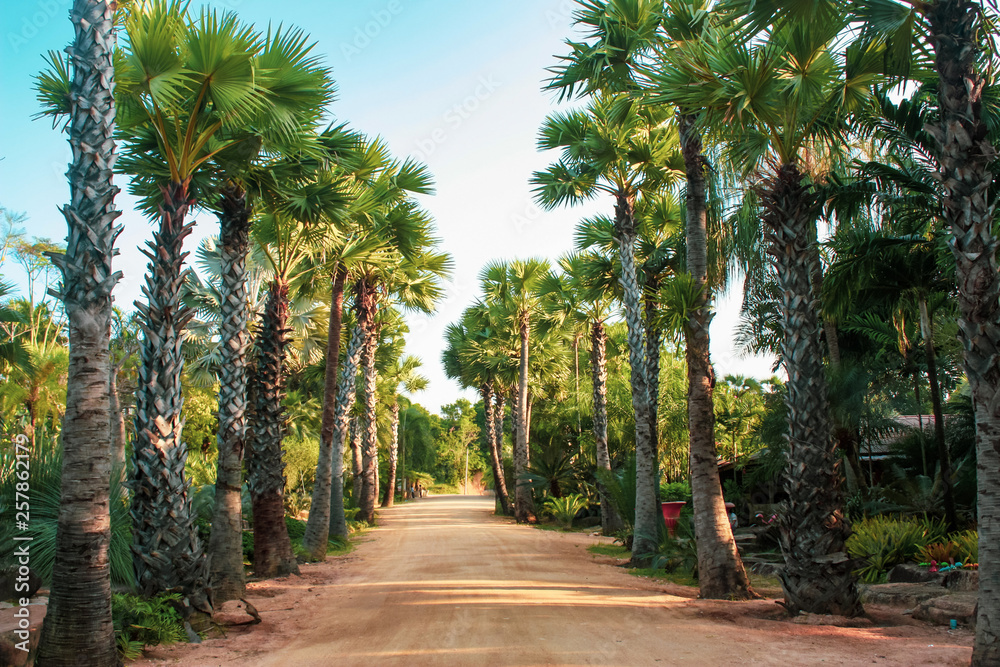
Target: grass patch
point(613, 550)
point(559, 528)
point(676, 577)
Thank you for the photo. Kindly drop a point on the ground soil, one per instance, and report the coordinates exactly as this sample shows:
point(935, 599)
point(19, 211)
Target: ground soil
point(443, 582)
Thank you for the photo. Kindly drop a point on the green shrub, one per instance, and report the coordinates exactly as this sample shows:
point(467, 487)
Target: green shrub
point(296, 528)
point(676, 491)
point(45, 466)
point(968, 545)
point(140, 622)
point(883, 542)
point(564, 509)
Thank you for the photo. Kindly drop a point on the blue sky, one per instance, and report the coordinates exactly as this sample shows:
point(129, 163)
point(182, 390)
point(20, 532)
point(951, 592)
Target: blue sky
point(456, 84)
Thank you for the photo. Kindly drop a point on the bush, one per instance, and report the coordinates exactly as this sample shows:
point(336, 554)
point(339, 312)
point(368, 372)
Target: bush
point(45, 465)
point(140, 622)
point(883, 542)
point(968, 545)
point(676, 491)
point(565, 509)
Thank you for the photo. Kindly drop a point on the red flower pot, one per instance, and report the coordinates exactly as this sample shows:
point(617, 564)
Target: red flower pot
point(672, 512)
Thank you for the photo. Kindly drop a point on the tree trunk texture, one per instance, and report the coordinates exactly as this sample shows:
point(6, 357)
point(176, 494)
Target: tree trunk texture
point(944, 457)
point(492, 436)
point(389, 491)
point(346, 396)
point(320, 507)
point(648, 517)
point(272, 548)
point(367, 308)
point(611, 523)
point(77, 629)
point(167, 553)
point(965, 157)
point(225, 544)
point(720, 569)
point(653, 341)
point(818, 575)
point(524, 504)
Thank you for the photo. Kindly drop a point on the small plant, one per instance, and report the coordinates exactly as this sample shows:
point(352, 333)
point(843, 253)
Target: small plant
point(564, 509)
point(967, 544)
point(140, 622)
point(883, 542)
point(942, 552)
point(676, 491)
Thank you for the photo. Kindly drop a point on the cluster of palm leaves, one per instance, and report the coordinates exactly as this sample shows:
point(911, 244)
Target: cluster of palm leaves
point(213, 113)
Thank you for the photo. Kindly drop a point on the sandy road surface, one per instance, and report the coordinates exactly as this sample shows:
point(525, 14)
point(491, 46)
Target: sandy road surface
point(442, 582)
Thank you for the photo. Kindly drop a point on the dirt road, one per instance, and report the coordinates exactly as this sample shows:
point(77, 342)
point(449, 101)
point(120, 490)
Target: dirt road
point(442, 582)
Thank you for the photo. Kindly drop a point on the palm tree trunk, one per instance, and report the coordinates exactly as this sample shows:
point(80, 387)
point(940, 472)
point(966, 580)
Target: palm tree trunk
point(272, 547)
point(77, 628)
point(366, 307)
point(167, 553)
point(653, 340)
point(611, 523)
point(648, 518)
point(817, 576)
point(390, 483)
point(118, 436)
point(357, 471)
point(499, 484)
point(944, 457)
point(346, 395)
point(965, 156)
point(225, 544)
point(524, 504)
point(318, 527)
point(720, 569)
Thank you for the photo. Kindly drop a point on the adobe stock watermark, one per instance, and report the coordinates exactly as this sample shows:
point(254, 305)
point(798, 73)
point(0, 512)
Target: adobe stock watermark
point(556, 18)
point(45, 11)
point(454, 117)
point(364, 35)
point(526, 217)
point(22, 540)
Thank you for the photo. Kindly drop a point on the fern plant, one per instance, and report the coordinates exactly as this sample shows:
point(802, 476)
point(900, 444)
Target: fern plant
point(564, 509)
point(141, 622)
point(882, 542)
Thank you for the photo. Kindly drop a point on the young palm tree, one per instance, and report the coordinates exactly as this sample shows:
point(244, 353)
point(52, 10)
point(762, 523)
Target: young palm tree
point(775, 132)
point(78, 621)
point(512, 287)
point(615, 147)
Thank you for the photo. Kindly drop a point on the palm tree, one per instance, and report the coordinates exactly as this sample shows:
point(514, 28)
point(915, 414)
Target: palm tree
point(78, 620)
point(474, 350)
point(296, 229)
point(780, 124)
point(688, 27)
point(297, 89)
point(617, 148)
point(178, 102)
point(577, 294)
point(512, 287)
point(403, 372)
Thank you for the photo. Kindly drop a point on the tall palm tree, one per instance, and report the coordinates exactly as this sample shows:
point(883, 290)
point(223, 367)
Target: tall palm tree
point(578, 294)
point(475, 349)
point(513, 287)
point(403, 373)
point(687, 29)
point(957, 35)
point(297, 228)
point(78, 621)
point(298, 88)
point(779, 126)
point(617, 148)
point(178, 102)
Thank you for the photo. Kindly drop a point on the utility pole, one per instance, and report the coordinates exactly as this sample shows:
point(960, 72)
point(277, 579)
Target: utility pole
point(466, 470)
